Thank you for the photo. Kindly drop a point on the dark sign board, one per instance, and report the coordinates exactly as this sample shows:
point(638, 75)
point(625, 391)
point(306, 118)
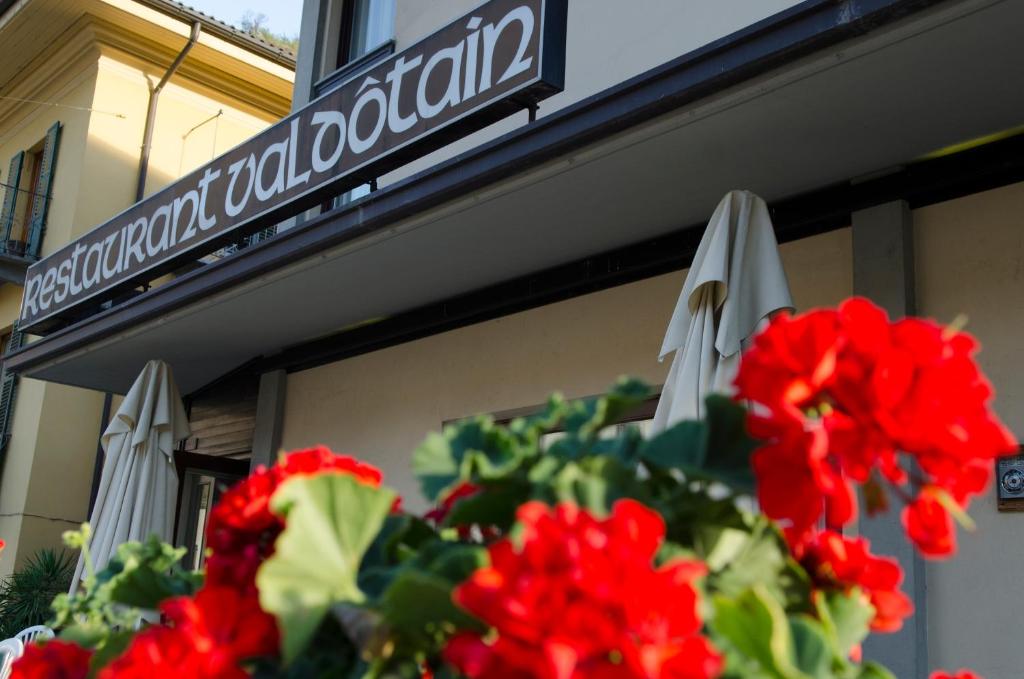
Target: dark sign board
point(503, 56)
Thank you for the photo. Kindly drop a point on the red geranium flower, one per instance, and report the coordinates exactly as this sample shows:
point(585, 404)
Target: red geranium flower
point(962, 674)
point(242, 529)
point(841, 396)
point(206, 636)
point(838, 562)
point(929, 524)
point(52, 659)
point(581, 599)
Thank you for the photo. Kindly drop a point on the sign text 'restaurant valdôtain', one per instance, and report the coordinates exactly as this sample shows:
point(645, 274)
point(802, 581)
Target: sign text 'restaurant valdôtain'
point(486, 65)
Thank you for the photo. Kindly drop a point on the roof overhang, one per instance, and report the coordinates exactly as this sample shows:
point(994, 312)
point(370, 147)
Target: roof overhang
point(825, 93)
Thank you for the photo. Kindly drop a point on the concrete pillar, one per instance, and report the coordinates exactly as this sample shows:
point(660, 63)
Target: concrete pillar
point(266, 438)
point(883, 271)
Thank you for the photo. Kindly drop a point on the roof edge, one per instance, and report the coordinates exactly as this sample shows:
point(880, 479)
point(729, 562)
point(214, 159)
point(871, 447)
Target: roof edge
point(214, 26)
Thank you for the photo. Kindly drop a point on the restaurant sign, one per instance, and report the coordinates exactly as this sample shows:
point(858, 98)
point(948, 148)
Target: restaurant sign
point(498, 59)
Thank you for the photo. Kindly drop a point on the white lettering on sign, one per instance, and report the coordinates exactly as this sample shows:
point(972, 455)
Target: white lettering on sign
point(488, 58)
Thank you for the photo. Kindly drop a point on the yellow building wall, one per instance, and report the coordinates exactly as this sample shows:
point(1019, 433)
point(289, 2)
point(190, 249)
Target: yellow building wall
point(380, 406)
point(104, 94)
point(48, 463)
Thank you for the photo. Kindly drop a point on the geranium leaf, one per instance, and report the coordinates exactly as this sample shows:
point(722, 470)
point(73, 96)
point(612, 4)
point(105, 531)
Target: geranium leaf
point(495, 505)
point(331, 520)
point(811, 650)
point(113, 645)
point(716, 449)
point(625, 395)
point(845, 618)
point(475, 448)
point(682, 446)
point(418, 610)
point(874, 671)
point(756, 625)
point(142, 574)
point(740, 558)
point(435, 465)
point(729, 444)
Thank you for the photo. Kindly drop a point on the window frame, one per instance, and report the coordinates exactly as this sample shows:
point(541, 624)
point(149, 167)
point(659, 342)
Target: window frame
point(346, 34)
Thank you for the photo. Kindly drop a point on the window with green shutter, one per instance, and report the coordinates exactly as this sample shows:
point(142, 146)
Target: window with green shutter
point(11, 202)
point(8, 387)
point(27, 197)
point(43, 178)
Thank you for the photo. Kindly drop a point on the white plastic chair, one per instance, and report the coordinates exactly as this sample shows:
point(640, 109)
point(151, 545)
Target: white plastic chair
point(10, 650)
point(34, 633)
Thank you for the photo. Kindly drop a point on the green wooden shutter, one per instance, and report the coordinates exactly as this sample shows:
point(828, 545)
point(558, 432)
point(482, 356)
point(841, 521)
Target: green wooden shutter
point(8, 391)
point(10, 197)
point(41, 199)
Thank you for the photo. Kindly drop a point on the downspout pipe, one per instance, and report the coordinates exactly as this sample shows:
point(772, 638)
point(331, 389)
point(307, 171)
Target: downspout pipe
point(140, 191)
point(154, 100)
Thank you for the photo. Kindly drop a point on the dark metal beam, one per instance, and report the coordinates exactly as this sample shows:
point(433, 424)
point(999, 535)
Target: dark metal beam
point(812, 213)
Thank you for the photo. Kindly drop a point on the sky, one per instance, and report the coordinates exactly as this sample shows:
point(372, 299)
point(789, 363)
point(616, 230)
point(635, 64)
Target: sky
point(282, 15)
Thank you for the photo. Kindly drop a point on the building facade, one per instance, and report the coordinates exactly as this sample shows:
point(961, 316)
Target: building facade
point(76, 87)
point(545, 251)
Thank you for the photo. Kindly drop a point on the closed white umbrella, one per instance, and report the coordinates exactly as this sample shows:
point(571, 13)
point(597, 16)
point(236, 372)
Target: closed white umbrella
point(736, 280)
point(139, 485)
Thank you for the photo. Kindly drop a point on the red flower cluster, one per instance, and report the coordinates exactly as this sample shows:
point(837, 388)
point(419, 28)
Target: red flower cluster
point(838, 562)
point(242, 529)
point(844, 395)
point(962, 674)
point(206, 637)
point(581, 600)
point(53, 659)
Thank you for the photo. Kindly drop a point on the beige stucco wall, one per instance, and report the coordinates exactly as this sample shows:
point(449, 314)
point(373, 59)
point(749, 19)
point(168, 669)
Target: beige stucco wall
point(970, 259)
point(380, 406)
point(607, 42)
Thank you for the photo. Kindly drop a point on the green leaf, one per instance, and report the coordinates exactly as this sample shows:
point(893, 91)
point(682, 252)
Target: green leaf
point(625, 396)
point(471, 449)
point(756, 625)
point(716, 449)
point(399, 540)
point(729, 444)
point(495, 505)
point(812, 653)
point(594, 484)
point(113, 646)
point(740, 558)
point(144, 574)
point(419, 612)
point(682, 446)
point(845, 618)
point(874, 671)
point(331, 521)
point(455, 562)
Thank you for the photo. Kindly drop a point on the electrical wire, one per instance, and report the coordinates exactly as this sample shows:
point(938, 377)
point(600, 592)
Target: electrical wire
point(56, 105)
point(20, 190)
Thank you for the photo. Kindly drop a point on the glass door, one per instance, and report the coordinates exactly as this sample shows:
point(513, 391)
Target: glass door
point(202, 479)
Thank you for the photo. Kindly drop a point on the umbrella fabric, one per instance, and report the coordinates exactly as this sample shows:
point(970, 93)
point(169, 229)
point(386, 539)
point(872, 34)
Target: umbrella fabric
point(735, 281)
point(139, 486)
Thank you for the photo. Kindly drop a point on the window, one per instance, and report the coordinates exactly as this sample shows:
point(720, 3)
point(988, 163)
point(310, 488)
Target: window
point(29, 189)
point(27, 197)
point(642, 418)
point(11, 340)
point(365, 25)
